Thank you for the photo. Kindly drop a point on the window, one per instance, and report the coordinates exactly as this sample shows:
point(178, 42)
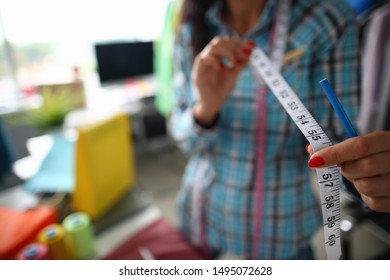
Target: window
point(47, 39)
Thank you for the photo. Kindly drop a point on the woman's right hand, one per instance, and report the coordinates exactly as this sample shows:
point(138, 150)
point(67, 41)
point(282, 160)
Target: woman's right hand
point(215, 72)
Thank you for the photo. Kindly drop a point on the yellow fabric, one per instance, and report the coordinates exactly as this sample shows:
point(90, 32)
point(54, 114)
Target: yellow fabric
point(104, 165)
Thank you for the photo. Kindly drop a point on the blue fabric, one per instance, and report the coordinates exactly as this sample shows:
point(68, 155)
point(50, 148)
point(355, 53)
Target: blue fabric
point(222, 159)
point(56, 173)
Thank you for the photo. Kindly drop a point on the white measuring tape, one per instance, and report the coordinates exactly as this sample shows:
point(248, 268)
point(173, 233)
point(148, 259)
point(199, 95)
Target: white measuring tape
point(329, 178)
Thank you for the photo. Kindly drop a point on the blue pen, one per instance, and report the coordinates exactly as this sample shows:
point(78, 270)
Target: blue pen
point(338, 108)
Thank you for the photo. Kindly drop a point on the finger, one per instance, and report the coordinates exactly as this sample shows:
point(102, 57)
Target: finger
point(309, 149)
point(241, 49)
point(378, 204)
point(224, 48)
point(375, 164)
point(208, 61)
point(377, 186)
point(352, 149)
point(230, 51)
point(243, 57)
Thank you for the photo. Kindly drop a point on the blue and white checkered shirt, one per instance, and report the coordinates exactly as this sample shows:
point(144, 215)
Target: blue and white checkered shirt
point(217, 198)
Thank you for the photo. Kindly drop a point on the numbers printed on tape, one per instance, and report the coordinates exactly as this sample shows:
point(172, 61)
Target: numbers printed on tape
point(329, 177)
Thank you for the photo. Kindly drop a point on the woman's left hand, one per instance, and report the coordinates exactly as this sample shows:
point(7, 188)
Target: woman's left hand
point(365, 161)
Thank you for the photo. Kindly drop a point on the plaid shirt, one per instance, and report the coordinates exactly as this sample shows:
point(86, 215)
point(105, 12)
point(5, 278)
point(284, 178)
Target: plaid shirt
point(218, 184)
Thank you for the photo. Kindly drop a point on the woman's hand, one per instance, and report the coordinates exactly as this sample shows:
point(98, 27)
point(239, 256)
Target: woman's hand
point(365, 161)
point(215, 72)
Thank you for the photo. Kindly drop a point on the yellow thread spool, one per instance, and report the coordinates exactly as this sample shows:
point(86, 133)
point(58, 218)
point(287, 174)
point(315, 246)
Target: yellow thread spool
point(55, 238)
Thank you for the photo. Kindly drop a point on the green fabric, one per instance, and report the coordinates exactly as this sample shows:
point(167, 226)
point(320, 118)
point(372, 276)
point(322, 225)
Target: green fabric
point(163, 60)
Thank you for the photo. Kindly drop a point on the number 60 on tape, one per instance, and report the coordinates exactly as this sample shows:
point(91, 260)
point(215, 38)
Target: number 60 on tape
point(329, 178)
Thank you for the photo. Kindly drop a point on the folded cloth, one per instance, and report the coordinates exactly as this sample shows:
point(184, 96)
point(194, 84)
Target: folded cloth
point(19, 228)
point(160, 241)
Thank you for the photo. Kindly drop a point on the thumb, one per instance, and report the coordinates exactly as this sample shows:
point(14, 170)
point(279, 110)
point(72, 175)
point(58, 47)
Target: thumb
point(350, 149)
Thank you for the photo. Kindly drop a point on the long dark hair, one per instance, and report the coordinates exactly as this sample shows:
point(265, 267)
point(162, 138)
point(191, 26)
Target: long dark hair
point(193, 13)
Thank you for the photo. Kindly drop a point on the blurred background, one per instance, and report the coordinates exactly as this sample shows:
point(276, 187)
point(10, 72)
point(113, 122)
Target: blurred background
point(67, 70)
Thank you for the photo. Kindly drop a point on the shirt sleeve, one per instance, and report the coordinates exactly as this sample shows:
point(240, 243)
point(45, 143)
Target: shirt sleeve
point(190, 136)
point(338, 60)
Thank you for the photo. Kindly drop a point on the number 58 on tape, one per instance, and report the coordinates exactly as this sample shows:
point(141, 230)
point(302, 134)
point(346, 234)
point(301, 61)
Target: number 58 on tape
point(329, 178)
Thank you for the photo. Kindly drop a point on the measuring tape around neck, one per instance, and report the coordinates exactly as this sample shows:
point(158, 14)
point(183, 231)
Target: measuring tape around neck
point(277, 45)
point(329, 178)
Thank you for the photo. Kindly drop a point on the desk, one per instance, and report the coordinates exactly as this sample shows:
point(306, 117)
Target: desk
point(122, 95)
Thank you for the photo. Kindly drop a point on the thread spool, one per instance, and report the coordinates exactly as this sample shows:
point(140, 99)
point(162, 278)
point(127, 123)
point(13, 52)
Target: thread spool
point(55, 238)
point(34, 251)
point(78, 228)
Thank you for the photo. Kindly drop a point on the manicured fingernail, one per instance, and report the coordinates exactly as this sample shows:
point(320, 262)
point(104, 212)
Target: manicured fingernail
point(251, 44)
point(316, 162)
point(246, 51)
point(307, 148)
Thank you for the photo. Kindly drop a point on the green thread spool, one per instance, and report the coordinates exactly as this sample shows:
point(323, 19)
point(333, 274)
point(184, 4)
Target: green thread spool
point(78, 228)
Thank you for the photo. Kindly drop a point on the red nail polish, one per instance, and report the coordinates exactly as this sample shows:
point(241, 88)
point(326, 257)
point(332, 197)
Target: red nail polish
point(246, 51)
point(307, 148)
point(251, 44)
point(316, 162)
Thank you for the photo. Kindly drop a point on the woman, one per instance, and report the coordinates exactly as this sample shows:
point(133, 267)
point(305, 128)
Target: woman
point(246, 190)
